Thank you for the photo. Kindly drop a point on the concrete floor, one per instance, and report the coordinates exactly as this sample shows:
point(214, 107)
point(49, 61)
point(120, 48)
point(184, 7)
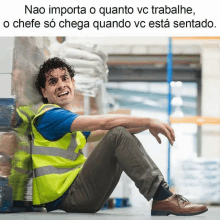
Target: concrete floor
point(132, 213)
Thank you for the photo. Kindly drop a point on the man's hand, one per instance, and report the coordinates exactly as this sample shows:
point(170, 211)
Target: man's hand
point(158, 127)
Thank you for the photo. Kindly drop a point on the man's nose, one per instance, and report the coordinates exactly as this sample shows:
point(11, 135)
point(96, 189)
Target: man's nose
point(60, 84)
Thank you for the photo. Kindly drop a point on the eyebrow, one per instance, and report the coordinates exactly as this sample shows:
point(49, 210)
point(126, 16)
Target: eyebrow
point(54, 77)
point(66, 74)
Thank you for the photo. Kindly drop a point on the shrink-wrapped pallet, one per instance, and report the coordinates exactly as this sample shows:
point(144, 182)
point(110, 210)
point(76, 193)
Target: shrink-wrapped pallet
point(16, 112)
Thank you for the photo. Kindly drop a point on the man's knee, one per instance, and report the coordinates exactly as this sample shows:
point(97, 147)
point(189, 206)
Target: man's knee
point(118, 130)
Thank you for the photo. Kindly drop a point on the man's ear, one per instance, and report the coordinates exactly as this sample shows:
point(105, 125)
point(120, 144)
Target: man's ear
point(73, 81)
point(43, 92)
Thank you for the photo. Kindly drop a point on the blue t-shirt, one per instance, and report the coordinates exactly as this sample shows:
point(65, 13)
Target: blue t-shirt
point(56, 122)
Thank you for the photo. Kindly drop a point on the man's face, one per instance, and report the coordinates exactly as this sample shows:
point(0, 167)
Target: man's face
point(59, 88)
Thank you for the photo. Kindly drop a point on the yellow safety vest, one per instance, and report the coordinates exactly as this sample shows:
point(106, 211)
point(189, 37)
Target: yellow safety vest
point(21, 170)
point(55, 163)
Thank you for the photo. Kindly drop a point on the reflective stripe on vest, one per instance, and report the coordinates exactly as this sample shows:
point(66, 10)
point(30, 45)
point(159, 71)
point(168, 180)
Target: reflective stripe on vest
point(51, 151)
point(24, 171)
point(48, 106)
point(44, 108)
point(42, 171)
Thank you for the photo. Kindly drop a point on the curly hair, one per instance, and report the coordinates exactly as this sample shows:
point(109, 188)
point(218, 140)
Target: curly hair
point(46, 68)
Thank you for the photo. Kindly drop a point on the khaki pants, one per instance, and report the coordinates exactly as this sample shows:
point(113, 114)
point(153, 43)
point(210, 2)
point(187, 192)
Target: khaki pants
point(117, 152)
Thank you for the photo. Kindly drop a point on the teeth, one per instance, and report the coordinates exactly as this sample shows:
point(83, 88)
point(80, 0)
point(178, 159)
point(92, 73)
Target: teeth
point(63, 93)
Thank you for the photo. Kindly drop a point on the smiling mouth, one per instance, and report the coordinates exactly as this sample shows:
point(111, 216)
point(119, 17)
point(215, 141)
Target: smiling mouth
point(63, 94)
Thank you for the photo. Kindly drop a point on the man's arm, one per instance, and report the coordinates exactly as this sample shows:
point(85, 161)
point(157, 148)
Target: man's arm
point(136, 130)
point(107, 122)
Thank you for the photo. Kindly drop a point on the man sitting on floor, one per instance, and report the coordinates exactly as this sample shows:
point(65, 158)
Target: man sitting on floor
point(65, 179)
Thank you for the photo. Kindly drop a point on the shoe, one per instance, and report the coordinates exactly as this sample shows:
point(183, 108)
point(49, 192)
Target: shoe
point(176, 205)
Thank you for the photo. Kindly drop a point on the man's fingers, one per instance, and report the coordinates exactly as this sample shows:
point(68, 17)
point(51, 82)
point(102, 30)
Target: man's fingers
point(166, 130)
point(168, 135)
point(158, 138)
point(171, 131)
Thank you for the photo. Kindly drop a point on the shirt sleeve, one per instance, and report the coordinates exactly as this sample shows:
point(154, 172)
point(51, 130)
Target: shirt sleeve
point(55, 123)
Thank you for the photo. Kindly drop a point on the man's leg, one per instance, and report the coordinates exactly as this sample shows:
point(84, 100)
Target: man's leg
point(163, 182)
point(118, 151)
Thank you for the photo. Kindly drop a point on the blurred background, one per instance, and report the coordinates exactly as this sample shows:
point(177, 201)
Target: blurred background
point(176, 80)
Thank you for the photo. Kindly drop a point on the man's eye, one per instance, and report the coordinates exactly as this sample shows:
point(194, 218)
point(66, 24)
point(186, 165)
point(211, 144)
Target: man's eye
point(52, 82)
point(65, 78)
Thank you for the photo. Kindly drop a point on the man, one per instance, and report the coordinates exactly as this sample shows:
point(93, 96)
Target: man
point(65, 179)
